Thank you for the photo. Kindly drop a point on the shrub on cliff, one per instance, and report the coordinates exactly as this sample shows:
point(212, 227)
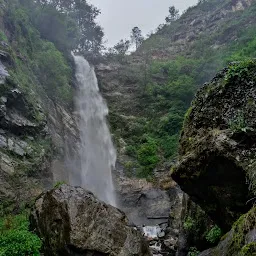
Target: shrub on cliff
point(15, 239)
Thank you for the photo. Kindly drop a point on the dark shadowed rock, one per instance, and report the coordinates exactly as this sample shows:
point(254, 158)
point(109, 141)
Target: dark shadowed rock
point(218, 145)
point(241, 240)
point(141, 201)
point(72, 221)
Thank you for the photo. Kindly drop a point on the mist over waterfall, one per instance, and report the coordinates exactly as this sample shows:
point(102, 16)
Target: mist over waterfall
point(97, 153)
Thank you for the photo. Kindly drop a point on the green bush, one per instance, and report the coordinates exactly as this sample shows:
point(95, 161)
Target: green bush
point(54, 73)
point(147, 154)
point(19, 243)
point(214, 235)
point(15, 238)
point(58, 184)
point(193, 251)
point(189, 224)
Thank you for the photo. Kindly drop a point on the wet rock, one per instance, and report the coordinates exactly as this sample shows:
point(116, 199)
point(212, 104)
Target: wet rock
point(241, 240)
point(72, 221)
point(3, 141)
point(142, 202)
point(3, 73)
point(218, 146)
point(6, 164)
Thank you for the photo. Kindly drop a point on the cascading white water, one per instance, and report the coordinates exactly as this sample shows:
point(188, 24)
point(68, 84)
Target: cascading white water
point(98, 155)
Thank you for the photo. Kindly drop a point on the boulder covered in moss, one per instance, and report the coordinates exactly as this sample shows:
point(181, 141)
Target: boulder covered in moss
point(72, 221)
point(240, 241)
point(218, 145)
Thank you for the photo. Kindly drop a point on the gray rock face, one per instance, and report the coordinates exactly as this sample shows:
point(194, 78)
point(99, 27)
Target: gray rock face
point(3, 73)
point(72, 221)
point(141, 201)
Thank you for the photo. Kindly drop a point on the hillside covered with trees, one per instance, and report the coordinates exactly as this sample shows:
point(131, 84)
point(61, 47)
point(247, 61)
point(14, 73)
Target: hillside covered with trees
point(164, 74)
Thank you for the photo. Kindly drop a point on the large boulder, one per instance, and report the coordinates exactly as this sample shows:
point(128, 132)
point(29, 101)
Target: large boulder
point(218, 145)
point(72, 221)
point(240, 241)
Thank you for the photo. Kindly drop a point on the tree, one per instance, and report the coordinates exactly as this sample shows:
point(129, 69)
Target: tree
point(65, 21)
point(173, 15)
point(122, 47)
point(136, 37)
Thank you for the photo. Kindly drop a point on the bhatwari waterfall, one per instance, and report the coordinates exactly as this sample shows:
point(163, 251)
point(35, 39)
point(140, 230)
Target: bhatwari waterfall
point(97, 153)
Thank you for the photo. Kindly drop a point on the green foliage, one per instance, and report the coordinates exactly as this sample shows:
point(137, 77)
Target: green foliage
point(169, 145)
point(131, 150)
point(214, 235)
point(15, 239)
point(249, 249)
point(189, 224)
point(193, 251)
point(3, 36)
point(241, 227)
point(130, 168)
point(167, 87)
point(147, 157)
point(72, 24)
point(58, 184)
point(38, 65)
point(238, 72)
point(54, 73)
point(238, 124)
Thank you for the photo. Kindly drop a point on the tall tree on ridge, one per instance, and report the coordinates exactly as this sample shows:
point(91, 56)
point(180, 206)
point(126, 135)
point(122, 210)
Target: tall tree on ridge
point(136, 37)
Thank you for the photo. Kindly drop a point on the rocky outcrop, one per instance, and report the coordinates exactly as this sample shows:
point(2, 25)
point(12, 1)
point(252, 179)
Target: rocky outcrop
point(241, 240)
point(142, 202)
point(195, 225)
point(37, 137)
point(72, 221)
point(154, 205)
point(217, 156)
point(217, 146)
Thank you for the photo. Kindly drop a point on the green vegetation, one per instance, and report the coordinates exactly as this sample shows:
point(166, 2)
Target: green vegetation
point(241, 71)
point(147, 157)
point(44, 66)
point(193, 251)
point(238, 123)
point(38, 65)
point(189, 224)
point(241, 227)
point(214, 235)
point(249, 249)
point(15, 238)
point(167, 86)
point(58, 184)
point(3, 36)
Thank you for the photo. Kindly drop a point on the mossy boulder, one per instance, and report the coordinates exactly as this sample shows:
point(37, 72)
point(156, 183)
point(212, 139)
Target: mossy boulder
point(240, 241)
point(218, 145)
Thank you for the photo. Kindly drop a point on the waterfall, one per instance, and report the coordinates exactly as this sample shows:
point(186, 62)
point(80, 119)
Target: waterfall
point(97, 153)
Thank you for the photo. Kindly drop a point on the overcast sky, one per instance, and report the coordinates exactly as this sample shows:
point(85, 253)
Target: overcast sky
point(118, 17)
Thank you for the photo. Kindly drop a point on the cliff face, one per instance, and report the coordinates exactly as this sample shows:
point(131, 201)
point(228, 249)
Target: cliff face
point(34, 129)
point(217, 153)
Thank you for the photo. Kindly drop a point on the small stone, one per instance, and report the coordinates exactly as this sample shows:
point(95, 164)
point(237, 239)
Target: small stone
point(161, 234)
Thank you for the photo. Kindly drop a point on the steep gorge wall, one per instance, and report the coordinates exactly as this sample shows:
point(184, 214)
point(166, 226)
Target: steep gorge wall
point(37, 132)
